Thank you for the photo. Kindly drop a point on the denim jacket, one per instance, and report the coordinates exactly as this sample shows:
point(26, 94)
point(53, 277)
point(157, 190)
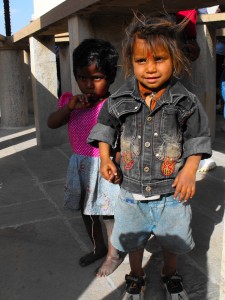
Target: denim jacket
point(154, 144)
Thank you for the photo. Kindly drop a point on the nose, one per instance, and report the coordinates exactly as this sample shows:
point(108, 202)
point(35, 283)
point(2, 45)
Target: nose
point(90, 83)
point(151, 67)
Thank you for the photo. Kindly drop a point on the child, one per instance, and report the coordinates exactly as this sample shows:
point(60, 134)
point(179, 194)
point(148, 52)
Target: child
point(94, 67)
point(222, 92)
point(163, 133)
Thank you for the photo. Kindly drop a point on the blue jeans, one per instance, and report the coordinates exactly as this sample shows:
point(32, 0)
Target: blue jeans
point(166, 218)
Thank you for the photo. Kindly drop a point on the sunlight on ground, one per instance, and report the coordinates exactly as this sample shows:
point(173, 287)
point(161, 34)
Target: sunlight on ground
point(20, 146)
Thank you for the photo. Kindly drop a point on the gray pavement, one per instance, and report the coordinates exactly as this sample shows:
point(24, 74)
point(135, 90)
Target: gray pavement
point(41, 242)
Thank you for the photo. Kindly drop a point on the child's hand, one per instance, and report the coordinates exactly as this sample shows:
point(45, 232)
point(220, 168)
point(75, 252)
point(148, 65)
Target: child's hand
point(184, 183)
point(79, 101)
point(108, 171)
point(118, 177)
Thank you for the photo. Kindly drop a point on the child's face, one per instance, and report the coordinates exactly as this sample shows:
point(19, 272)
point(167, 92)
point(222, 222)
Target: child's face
point(152, 69)
point(92, 82)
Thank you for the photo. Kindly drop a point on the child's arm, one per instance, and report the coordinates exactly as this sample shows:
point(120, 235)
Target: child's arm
point(61, 116)
point(184, 183)
point(108, 169)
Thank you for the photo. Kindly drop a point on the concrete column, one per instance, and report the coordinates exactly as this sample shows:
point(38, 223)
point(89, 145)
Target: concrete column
point(79, 29)
point(13, 101)
point(65, 69)
point(204, 73)
point(44, 86)
point(27, 75)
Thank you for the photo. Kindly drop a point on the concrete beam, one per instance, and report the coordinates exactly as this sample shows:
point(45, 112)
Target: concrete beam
point(2, 38)
point(62, 11)
point(56, 19)
point(216, 20)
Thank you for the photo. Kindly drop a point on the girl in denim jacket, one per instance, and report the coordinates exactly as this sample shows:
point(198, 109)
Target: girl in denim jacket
point(162, 131)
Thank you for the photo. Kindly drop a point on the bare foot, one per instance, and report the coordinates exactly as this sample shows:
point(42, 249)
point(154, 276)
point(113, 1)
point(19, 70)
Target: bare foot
point(109, 266)
point(91, 257)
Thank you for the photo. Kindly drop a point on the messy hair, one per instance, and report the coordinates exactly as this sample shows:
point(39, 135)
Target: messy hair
point(156, 31)
point(97, 51)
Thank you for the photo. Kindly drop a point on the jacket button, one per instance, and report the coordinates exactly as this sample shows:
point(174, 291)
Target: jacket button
point(147, 144)
point(146, 169)
point(149, 118)
point(148, 189)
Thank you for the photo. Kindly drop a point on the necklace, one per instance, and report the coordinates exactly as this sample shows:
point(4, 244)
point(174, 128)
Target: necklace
point(150, 101)
point(151, 96)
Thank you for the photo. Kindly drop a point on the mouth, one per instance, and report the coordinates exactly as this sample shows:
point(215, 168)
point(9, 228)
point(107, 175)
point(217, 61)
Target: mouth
point(91, 96)
point(151, 79)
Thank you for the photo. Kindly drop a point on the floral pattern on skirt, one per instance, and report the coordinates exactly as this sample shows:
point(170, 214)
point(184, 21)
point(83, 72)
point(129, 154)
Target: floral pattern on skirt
point(84, 187)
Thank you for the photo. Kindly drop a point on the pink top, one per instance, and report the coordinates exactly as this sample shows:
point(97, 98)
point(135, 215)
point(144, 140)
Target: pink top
point(80, 124)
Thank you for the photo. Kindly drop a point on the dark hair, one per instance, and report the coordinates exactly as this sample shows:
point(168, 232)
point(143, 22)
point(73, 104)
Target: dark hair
point(156, 31)
point(221, 8)
point(97, 51)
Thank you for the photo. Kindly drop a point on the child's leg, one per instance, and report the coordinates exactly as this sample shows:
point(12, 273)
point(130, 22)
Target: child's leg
point(94, 230)
point(113, 259)
point(171, 281)
point(135, 281)
point(136, 258)
point(170, 263)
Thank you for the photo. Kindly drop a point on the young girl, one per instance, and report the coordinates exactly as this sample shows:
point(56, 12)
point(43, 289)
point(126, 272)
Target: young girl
point(163, 133)
point(94, 67)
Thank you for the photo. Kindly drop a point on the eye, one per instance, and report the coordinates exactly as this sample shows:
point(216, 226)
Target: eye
point(159, 58)
point(140, 61)
point(81, 78)
point(97, 78)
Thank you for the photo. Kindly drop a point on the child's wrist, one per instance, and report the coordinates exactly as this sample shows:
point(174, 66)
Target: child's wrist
point(69, 109)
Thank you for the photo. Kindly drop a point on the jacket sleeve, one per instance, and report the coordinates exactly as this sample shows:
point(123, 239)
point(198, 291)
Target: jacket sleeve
point(106, 130)
point(197, 139)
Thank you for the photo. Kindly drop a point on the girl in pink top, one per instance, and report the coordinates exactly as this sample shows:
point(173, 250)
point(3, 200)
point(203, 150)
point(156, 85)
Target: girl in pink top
point(94, 67)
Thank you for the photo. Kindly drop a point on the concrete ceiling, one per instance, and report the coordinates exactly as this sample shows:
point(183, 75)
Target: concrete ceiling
point(118, 7)
point(56, 20)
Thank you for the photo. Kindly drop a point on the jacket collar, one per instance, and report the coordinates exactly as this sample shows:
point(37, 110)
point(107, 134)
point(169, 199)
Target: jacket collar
point(174, 92)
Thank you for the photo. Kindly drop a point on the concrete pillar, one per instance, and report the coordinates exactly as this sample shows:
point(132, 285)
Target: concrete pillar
point(79, 29)
point(13, 101)
point(204, 73)
point(27, 75)
point(44, 86)
point(109, 30)
point(65, 69)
